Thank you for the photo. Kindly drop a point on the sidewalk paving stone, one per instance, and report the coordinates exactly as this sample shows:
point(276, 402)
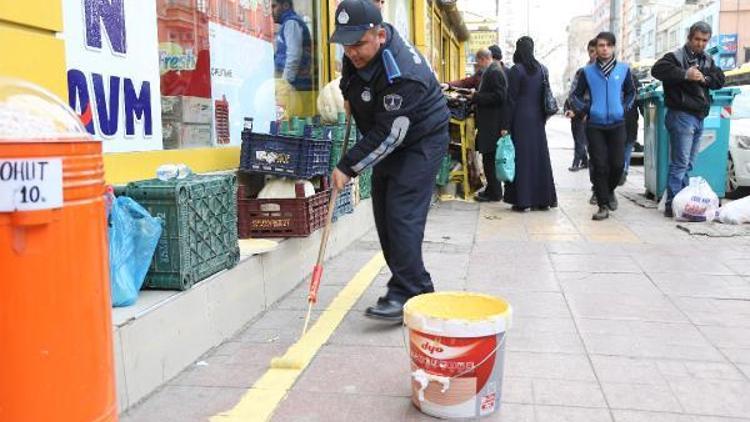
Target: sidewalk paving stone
point(627, 320)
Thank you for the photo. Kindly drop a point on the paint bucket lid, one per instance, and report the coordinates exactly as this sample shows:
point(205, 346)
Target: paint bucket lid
point(28, 113)
point(458, 314)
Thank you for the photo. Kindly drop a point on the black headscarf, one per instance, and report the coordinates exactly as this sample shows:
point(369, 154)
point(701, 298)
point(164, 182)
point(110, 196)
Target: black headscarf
point(524, 55)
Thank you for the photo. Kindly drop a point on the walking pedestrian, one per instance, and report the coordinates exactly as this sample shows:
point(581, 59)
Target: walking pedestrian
point(534, 184)
point(611, 92)
point(687, 74)
point(403, 117)
point(577, 123)
point(492, 122)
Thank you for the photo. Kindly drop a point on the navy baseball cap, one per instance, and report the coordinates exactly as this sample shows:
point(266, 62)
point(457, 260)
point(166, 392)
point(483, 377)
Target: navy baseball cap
point(353, 19)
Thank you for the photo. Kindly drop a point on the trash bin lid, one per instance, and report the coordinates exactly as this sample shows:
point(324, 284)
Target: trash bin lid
point(29, 113)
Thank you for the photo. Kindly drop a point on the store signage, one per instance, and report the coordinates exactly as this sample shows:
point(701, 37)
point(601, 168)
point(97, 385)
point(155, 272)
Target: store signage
point(243, 83)
point(728, 44)
point(113, 71)
point(30, 184)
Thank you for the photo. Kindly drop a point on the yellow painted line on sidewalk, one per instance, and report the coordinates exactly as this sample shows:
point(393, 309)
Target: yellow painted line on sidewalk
point(259, 403)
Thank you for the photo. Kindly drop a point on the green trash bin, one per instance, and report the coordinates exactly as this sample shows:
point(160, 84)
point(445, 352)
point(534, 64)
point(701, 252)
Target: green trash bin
point(711, 161)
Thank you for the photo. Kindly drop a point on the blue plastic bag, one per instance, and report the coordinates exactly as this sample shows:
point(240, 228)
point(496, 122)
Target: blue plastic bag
point(505, 159)
point(133, 235)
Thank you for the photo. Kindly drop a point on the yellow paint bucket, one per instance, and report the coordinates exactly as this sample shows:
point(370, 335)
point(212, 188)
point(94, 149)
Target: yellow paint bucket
point(457, 350)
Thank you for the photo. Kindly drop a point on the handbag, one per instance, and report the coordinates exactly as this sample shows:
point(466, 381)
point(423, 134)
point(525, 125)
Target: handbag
point(505, 159)
point(550, 103)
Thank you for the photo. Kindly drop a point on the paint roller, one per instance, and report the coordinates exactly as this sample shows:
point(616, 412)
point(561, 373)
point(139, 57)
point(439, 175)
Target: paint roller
point(285, 362)
point(289, 361)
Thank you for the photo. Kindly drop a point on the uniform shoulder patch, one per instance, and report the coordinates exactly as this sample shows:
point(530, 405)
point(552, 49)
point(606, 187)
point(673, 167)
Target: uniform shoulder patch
point(392, 102)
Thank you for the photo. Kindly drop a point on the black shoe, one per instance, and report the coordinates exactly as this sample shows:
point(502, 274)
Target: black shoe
point(592, 200)
point(600, 215)
point(623, 178)
point(574, 168)
point(386, 310)
point(637, 147)
point(612, 202)
point(585, 165)
point(668, 212)
point(485, 198)
point(516, 208)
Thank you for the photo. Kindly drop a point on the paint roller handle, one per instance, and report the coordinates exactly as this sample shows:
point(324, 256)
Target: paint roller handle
point(317, 275)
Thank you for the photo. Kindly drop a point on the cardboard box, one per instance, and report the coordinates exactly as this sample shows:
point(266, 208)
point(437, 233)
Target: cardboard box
point(183, 109)
point(186, 135)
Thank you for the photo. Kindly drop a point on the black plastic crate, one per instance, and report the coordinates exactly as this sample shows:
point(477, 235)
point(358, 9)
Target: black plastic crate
point(280, 155)
point(200, 227)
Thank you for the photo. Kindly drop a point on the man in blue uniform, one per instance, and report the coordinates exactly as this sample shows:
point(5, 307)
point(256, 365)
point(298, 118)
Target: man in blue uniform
point(403, 118)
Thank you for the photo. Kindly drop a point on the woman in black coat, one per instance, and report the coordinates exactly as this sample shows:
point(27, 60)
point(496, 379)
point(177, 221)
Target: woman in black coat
point(534, 184)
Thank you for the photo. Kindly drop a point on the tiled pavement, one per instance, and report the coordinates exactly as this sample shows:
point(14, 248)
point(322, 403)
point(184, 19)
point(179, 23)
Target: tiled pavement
point(628, 320)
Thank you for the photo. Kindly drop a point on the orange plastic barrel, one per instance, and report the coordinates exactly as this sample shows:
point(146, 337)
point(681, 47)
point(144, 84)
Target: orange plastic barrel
point(56, 359)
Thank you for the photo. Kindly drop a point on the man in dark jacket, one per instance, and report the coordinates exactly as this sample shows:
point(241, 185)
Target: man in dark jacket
point(687, 74)
point(403, 117)
point(611, 93)
point(492, 120)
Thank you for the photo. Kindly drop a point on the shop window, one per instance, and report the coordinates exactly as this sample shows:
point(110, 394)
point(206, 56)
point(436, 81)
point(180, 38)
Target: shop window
point(224, 60)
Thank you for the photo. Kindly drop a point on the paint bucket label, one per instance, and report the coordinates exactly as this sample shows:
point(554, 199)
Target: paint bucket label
point(464, 374)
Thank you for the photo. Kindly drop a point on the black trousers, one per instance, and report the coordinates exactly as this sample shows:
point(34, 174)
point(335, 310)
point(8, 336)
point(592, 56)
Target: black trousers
point(607, 149)
point(580, 156)
point(402, 186)
point(494, 188)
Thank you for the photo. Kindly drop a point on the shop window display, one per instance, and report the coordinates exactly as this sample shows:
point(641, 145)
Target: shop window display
point(224, 60)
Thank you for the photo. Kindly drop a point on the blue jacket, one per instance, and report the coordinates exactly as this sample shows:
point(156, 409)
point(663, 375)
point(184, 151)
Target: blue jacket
point(397, 104)
point(604, 100)
point(301, 76)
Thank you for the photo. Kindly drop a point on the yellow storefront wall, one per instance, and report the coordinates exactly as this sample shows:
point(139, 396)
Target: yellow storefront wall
point(28, 45)
point(28, 36)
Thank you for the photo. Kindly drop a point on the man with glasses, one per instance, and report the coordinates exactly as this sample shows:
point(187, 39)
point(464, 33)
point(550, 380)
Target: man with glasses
point(604, 93)
point(687, 74)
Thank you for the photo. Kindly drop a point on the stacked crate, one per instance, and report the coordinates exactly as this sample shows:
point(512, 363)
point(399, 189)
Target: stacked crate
point(221, 114)
point(200, 227)
point(289, 150)
point(186, 122)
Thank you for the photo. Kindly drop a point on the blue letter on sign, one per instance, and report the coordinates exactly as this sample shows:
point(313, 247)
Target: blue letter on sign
point(108, 119)
point(137, 106)
point(78, 93)
point(110, 14)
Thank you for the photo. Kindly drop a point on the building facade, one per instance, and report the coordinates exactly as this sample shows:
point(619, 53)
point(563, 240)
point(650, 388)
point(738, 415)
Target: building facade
point(734, 31)
point(580, 31)
point(601, 15)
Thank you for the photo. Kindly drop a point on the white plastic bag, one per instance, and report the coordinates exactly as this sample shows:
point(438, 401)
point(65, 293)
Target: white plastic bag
point(283, 188)
point(736, 212)
point(696, 203)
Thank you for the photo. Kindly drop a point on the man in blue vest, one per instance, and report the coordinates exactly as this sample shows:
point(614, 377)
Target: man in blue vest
point(611, 93)
point(293, 55)
point(403, 117)
point(687, 74)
